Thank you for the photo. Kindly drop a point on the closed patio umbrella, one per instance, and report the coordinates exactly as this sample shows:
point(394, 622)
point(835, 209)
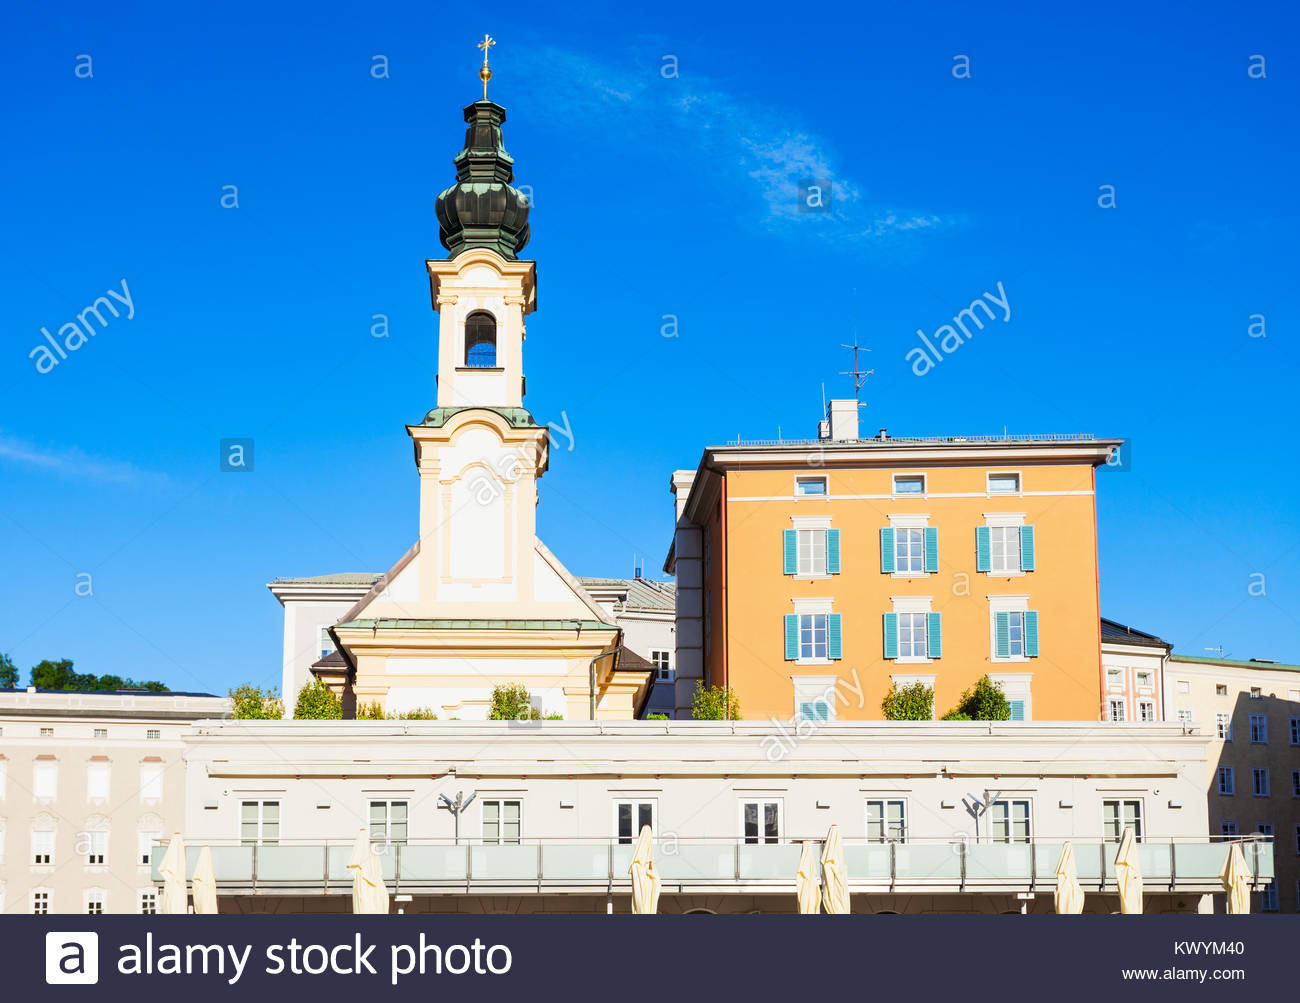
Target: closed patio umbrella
point(808, 885)
point(369, 893)
point(1128, 876)
point(1069, 893)
point(172, 869)
point(1236, 880)
point(834, 874)
point(204, 884)
point(645, 879)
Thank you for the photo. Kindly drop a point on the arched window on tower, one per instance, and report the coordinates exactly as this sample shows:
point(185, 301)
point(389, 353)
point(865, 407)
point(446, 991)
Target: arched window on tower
point(480, 341)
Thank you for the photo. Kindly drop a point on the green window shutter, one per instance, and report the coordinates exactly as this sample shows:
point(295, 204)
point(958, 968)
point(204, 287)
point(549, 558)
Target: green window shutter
point(834, 635)
point(1017, 710)
point(891, 635)
point(934, 635)
point(887, 550)
point(1031, 633)
point(931, 549)
point(982, 548)
point(1026, 548)
point(790, 547)
point(791, 636)
point(832, 551)
point(1002, 635)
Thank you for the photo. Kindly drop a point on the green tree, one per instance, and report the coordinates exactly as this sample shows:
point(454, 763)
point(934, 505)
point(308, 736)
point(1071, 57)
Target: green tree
point(984, 701)
point(714, 703)
point(8, 672)
point(59, 675)
point(656, 717)
point(512, 702)
point(317, 702)
point(251, 703)
point(418, 714)
point(911, 703)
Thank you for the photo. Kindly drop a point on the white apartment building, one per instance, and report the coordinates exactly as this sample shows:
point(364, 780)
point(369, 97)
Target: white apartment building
point(551, 810)
point(1133, 663)
point(1250, 711)
point(89, 784)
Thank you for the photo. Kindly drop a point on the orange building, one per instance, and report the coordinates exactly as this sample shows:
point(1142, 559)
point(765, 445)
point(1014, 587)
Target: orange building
point(814, 575)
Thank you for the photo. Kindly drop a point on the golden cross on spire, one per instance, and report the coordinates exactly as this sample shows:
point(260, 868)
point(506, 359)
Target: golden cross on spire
point(485, 74)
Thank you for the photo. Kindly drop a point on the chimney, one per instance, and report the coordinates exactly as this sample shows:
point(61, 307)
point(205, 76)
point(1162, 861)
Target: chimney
point(844, 419)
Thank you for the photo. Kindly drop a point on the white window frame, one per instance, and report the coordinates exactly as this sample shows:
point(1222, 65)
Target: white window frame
point(98, 771)
point(1146, 710)
point(813, 608)
point(387, 822)
point(1139, 819)
point(99, 734)
point(152, 734)
point(146, 901)
point(1010, 801)
point(1259, 729)
point(762, 801)
point(1223, 726)
point(1225, 781)
point(884, 801)
point(145, 840)
point(1183, 686)
point(1256, 774)
point(1003, 492)
point(665, 673)
point(41, 901)
point(808, 529)
point(45, 780)
point(636, 801)
point(1183, 716)
point(809, 478)
point(1007, 604)
point(1014, 521)
point(1137, 679)
point(917, 522)
point(93, 897)
point(260, 837)
point(814, 689)
point(48, 846)
point(499, 839)
point(903, 605)
point(152, 776)
point(1120, 702)
point(909, 476)
point(96, 848)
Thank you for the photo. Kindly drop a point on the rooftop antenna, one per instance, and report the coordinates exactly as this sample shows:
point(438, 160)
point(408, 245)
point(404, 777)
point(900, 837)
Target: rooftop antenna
point(1219, 651)
point(858, 373)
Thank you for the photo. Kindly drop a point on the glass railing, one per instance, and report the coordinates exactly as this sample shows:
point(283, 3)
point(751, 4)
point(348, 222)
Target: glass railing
point(939, 864)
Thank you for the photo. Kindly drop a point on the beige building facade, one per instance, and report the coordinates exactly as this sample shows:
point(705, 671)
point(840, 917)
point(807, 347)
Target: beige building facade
point(1250, 711)
point(89, 784)
point(551, 810)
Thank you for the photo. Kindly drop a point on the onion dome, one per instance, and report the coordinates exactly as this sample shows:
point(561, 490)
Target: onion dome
point(481, 209)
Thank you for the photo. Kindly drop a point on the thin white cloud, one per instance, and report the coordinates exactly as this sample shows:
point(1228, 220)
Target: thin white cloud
point(634, 98)
point(73, 463)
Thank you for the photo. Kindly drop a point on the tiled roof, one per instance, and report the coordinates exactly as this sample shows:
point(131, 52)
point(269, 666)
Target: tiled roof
point(1117, 633)
point(341, 578)
point(642, 593)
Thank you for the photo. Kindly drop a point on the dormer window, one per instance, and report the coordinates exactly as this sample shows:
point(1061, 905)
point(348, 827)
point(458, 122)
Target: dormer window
point(480, 341)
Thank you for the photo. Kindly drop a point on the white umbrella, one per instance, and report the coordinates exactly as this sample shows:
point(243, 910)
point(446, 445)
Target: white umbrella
point(1069, 893)
point(1235, 877)
point(1128, 876)
point(808, 887)
point(834, 873)
point(204, 884)
point(369, 893)
point(172, 870)
point(645, 879)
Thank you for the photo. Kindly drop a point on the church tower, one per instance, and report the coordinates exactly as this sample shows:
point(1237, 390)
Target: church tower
point(479, 601)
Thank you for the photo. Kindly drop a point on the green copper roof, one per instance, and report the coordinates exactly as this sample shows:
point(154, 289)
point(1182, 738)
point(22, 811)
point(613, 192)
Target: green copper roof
point(517, 417)
point(481, 209)
point(391, 623)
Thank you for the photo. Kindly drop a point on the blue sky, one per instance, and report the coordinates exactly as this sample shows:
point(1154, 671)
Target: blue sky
point(653, 194)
